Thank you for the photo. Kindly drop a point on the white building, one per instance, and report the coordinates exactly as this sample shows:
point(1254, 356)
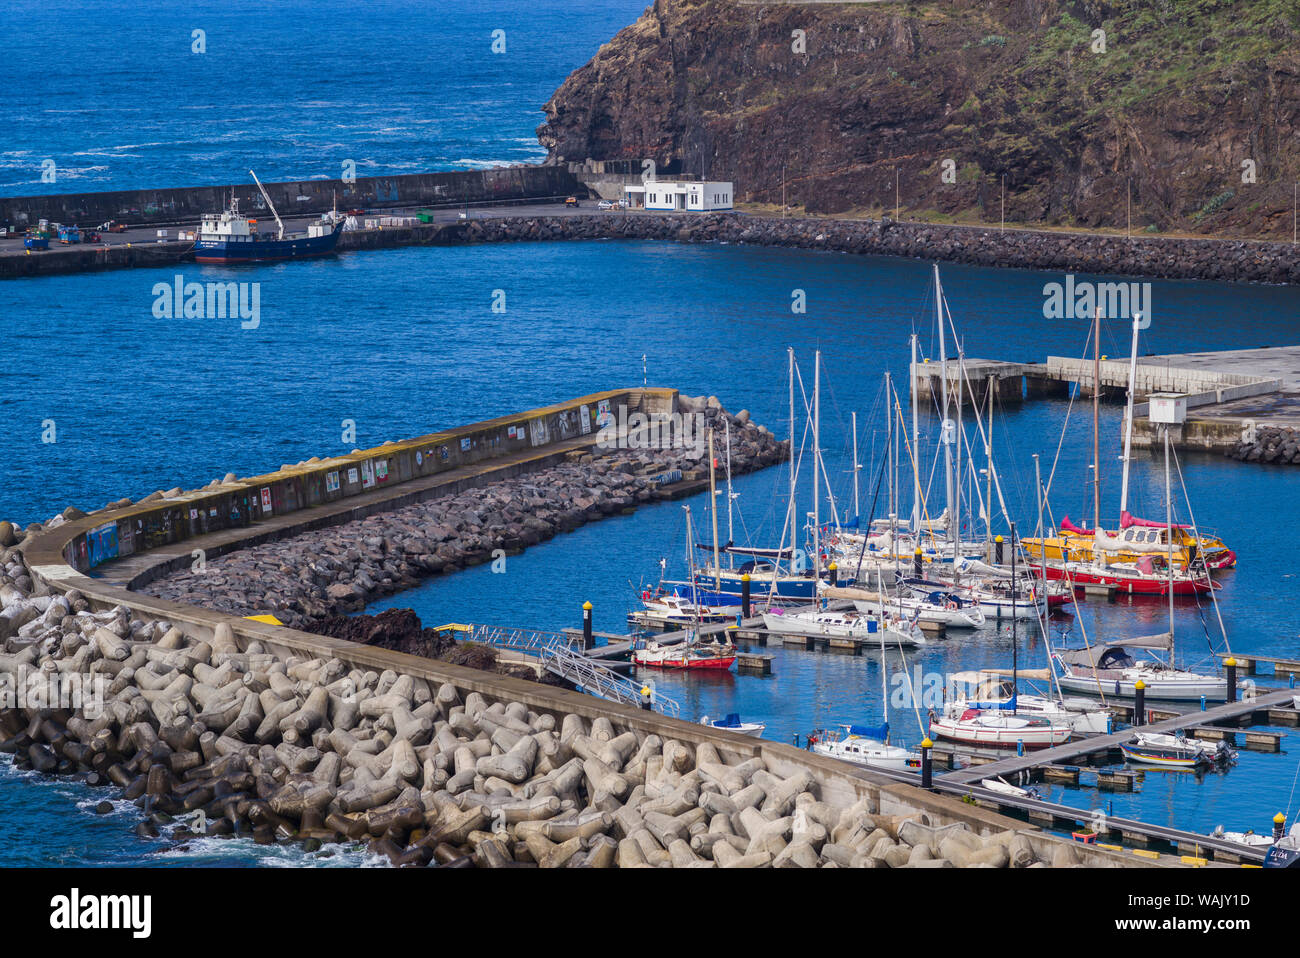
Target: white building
point(679, 195)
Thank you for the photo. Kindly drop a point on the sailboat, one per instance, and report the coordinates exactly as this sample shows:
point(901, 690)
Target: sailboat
point(774, 573)
point(1113, 671)
point(1002, 724)
point(845, 625)
point(866, 745)
point(1132, 558)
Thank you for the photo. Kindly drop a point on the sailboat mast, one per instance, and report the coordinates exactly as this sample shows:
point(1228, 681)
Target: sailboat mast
point(794, 510)
point(1128, 414)
point(817, 455)
point(731, 536)
point(713, 504)
point(1015, 654)
point(943, 411)
point(1096, 420)
point(1169, 541)
point(857, 512)
point(988, 454)
point(916, 453)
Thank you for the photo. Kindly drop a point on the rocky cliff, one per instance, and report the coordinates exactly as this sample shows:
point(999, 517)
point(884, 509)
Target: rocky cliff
point(1194, 105)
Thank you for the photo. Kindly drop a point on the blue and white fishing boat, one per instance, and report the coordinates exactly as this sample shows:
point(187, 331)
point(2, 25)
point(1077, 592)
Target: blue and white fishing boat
point(232, 237)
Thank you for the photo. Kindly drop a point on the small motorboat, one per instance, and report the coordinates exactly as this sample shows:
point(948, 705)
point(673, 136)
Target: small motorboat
point(1000, 729)
point(1004, 787)
point(863, 746)
point(732, 723)
point(1248, 838)
point(1175, 751)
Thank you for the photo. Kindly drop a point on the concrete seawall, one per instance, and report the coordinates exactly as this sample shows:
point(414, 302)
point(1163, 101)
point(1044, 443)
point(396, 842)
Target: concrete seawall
point(168, 207)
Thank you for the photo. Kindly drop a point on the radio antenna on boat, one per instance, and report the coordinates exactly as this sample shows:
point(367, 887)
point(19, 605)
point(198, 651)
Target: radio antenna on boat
point(278, 222)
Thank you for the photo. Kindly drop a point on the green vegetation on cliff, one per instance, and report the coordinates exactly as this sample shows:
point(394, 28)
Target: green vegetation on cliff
point(1183, 102)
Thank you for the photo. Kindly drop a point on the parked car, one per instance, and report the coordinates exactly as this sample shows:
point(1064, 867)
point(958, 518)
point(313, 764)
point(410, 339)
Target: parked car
point(113, 226)
point(571, 201)
point(604, 205)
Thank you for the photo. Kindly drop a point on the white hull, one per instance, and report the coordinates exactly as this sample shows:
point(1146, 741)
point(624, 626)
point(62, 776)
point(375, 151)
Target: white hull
point(925, 612)
point(870, 753)
point(1000, 730)
point(1166, 687)
point(1036, 706)
point(842, 625)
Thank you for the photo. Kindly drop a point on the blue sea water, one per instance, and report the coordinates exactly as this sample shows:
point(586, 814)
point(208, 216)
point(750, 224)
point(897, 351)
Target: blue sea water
point(116, 96)
point(403, 342)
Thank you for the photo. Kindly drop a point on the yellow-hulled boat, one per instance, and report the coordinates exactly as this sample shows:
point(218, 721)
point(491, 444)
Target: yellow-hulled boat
point(1135, 538)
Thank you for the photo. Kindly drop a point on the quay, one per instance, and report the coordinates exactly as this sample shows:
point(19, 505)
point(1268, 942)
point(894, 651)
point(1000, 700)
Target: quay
point(1244, 403)
point(540, 192)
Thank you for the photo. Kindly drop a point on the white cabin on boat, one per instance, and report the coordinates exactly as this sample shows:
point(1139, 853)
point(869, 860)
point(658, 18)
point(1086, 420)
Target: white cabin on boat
point(685, 195)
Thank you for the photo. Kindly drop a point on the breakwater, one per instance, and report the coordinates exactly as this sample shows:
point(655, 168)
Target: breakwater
point(306, 578)
point(182, 205)
point(1279, 445)
point(1194, 259)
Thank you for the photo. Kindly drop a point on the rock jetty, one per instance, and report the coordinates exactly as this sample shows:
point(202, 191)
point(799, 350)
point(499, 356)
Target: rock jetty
point(1273, 444)
point(307, 578)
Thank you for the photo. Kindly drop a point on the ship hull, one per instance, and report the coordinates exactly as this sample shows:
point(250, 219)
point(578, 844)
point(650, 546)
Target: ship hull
point(225, 252)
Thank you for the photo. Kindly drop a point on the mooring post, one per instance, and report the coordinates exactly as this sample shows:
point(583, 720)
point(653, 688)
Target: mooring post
point(1020, 748)
point(1230, 666)
point(927, 765)
point(587, 640)
point(916, 562)
point(834, 570)
point(744, 596)
point(997, 550)
point(1139, 702)
point(645, 697)
point(1279, 826)
point(1202, 703)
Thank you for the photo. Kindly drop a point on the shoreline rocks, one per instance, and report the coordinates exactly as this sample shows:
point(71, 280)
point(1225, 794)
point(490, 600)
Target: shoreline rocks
point(1276, 445)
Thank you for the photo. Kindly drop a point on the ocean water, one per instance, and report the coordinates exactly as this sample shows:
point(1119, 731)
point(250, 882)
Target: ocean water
point(116, 97)
point(403, 342)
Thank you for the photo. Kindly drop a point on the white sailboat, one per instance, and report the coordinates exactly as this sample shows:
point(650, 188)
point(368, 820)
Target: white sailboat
point(888, 627)
point(1113, 671)
point(868, 746)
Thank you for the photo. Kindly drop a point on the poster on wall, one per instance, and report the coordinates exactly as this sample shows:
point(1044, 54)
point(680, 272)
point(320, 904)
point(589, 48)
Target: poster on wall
point(352, 476)
point(367, 474)
point(511, 432)
point(101, 543)
point(539, 433)
point(266, 500)
point(465, 444)
point(584, 414)
point(565, 423)
point(381, 470)
point(419, 458)
point(603, 418)
point(331, 482)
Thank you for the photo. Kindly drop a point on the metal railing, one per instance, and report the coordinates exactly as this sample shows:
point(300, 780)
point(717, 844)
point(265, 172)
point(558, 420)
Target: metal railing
point(561, 655)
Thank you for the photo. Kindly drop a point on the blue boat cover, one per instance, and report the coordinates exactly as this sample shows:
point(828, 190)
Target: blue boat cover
point(731, 721)
point(880, 732)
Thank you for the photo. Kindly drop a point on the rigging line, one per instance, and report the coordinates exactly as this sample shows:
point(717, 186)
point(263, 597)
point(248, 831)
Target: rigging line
point(1065, 425)
point(871, 514)
point(1196, 532)
point(924, 511)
